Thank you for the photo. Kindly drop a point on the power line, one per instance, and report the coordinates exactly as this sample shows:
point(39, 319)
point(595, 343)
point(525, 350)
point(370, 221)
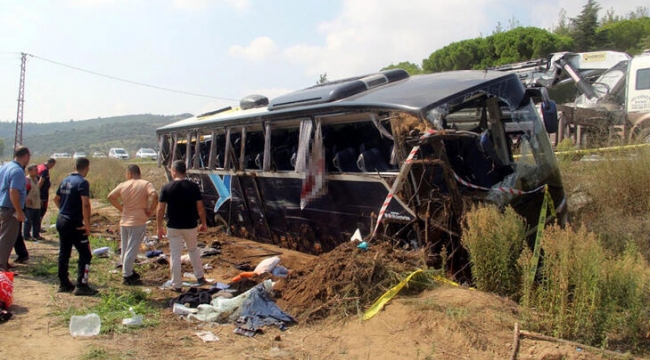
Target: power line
point(131, 81)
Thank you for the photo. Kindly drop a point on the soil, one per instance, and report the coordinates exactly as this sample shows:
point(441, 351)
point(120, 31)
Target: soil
point(326, 294)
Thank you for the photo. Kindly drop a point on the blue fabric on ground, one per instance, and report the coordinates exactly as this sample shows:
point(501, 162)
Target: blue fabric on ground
point(259, 310)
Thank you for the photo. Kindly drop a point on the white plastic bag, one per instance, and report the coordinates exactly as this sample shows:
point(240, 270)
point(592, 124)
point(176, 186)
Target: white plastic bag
point(135, 320)
point(266, 265)
point(85, 325)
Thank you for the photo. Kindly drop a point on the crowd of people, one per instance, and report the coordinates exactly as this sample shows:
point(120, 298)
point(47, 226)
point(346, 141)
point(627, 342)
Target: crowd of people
point(24, 196)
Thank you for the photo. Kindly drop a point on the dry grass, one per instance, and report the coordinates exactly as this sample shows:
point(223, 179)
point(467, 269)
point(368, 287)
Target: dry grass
point(494, 250)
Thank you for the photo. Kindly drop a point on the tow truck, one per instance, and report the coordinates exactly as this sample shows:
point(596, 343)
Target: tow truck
point(613, 104)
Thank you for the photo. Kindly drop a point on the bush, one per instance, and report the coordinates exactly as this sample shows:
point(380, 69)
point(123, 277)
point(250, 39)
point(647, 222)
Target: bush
point(494, 241)
point(586, 294)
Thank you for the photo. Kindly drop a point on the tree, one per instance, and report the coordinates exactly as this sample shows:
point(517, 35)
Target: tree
point(563, 27)
point(585, 26)
point(626, 35)
point(411, 68)
point(2, 148)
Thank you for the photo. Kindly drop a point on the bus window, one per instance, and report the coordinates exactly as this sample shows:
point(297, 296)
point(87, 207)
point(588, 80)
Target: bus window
point(254, 150)
point(356, 147)
point(284, 147)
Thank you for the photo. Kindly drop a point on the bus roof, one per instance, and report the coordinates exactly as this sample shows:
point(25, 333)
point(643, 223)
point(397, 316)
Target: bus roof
point(411, 94)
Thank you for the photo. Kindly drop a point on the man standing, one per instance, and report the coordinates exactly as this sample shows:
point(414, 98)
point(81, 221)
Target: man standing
point(73, 225)
point(138, 202)
point(12, 200)
point(182, 200)
point(33, 204)
point(44, 174)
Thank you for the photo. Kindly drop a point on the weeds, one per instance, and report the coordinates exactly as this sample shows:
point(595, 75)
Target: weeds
point(494, 250)
point(583, 291)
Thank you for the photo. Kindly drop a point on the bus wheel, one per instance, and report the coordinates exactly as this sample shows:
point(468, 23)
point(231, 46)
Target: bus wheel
point(221, 225)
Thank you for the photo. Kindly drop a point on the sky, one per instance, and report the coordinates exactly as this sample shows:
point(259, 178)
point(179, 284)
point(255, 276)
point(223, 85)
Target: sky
point(212, 53)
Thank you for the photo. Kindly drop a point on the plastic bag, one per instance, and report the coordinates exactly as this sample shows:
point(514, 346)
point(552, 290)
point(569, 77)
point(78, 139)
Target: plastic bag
point(6, 289)
point(85, 325)
point(135, 320)
point(266, 265)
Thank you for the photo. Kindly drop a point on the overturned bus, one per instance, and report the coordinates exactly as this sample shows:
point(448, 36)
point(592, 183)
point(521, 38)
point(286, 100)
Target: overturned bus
point(398, 157)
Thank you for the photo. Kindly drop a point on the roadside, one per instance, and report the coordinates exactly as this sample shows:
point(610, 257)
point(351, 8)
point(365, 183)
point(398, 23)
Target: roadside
point(443, 323)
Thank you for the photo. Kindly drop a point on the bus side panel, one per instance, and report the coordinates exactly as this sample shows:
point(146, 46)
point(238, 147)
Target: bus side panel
point(332, 218)
point(256, 212)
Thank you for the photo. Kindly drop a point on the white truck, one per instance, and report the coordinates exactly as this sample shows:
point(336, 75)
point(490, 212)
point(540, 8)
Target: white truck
point(612, 107)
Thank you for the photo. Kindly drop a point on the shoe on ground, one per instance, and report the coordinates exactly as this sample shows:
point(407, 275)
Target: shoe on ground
point(201, 280)
point(38, 238)
point(10, 266)
point(22, 260)
point(177, 290)
point(42, 231)
point(133, 279)
point(66, 288)
point(85, 290)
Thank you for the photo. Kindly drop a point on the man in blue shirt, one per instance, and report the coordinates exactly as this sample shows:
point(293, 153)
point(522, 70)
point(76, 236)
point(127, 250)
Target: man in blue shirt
point(73, 224)
point(13, 192)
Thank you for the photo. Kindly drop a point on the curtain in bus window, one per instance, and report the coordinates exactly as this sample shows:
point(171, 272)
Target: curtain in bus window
point(303, 145)
point(313, 185)
point(266, 164)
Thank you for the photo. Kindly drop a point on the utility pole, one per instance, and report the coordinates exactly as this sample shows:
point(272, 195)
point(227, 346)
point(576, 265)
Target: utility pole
point(18, 140)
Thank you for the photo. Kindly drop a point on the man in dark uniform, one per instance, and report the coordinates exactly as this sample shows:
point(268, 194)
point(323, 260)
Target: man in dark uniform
point(44, 183)
point(73, 224)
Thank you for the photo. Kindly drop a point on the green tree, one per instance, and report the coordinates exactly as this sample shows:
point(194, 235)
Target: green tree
point(519, 44)
point(626, 35)
point(2, 148)
point(411, 68)
point(585, 26)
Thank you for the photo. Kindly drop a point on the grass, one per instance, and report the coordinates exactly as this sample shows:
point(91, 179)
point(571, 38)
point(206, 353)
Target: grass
point(114, 301)
point(494, 250)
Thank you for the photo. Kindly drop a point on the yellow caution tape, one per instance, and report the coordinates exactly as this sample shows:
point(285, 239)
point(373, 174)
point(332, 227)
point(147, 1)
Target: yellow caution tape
point(597, 150)
point(388, 295)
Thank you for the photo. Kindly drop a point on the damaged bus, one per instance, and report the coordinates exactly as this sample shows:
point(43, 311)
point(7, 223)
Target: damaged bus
point(399, 157)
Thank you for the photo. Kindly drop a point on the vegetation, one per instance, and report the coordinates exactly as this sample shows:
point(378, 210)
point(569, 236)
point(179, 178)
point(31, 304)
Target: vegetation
point(593, 280)
point(103, 176)
point(494, 250)
point(585, 32)
point(130, 132)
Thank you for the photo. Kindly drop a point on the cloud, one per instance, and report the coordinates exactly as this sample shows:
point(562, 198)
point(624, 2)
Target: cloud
point(91, 3)
point(370, 34)
point(191, 4)
point(260, 48)
point(238, 4)
point(203, 4)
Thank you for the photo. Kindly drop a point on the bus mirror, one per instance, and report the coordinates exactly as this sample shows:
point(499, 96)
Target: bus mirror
point(549, 114)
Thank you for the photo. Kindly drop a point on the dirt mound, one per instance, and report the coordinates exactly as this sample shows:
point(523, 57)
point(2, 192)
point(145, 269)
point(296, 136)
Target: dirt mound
point(345, 280)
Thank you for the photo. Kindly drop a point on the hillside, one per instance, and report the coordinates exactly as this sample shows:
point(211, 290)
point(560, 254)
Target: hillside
point(130, 132)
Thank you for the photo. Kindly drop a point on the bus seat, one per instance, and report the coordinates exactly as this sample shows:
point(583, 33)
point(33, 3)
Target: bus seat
point(219, 161)
point(259, 160)
point(372, 161)
point(345, 160)
point(282, 159)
